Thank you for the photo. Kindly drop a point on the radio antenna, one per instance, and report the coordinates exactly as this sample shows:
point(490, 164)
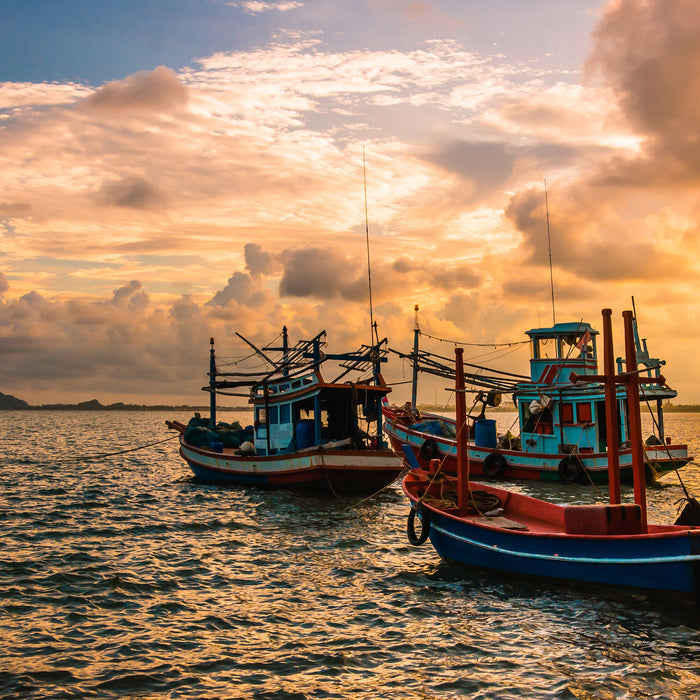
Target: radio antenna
point(549, 245)
point(369, 269)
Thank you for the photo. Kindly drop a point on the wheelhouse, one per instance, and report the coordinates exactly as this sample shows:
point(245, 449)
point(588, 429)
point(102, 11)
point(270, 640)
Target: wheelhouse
point(557, 416)
point(297, 414)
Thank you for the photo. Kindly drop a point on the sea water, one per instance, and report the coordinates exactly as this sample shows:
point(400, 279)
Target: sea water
point(121, 577)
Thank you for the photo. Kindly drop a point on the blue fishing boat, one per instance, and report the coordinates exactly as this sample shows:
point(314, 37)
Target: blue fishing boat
point(607, 543)
point(307, 433)
point(562, 432)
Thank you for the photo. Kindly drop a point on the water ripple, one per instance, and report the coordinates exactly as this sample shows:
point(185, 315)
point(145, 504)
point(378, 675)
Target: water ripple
point(126, 578)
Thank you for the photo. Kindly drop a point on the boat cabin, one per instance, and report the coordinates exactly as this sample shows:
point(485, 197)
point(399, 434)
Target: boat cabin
point(557, 416)
point(299, 413)
point(562, 349)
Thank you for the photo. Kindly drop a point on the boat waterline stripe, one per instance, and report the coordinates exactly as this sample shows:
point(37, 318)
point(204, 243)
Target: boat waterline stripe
point(577, 560)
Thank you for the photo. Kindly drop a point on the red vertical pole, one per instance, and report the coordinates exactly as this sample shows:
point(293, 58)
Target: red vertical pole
point(635, 418)
point(611, 411)
point(461, 417)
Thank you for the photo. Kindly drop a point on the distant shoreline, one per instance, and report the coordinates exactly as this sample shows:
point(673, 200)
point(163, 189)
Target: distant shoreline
point(11, 403)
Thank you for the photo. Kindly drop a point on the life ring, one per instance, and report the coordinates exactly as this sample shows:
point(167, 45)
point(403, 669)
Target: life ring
point(429, 450)
point(571, 470)
point(494, 465)
point(414, 539)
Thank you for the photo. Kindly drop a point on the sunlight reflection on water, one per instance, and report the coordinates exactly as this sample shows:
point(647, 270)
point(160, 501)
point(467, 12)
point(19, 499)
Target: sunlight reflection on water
point(122, 577)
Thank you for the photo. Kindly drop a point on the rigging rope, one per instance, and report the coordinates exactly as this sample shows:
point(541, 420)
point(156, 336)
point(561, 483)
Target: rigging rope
point(474, 345)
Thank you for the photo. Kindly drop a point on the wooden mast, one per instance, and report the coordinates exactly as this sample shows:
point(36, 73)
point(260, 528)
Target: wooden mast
point(212, 383)
point(461, 416)
point(611, 409)
point(631, 379)
point(634, 417)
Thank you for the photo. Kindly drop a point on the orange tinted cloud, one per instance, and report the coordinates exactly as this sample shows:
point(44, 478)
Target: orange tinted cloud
point(153, 212)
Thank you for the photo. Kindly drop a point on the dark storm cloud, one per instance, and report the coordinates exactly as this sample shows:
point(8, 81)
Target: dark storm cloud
point(159, 90)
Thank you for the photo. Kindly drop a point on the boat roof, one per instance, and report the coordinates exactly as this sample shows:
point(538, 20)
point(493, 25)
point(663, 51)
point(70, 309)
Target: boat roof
point(311, 384)
point(559, 329)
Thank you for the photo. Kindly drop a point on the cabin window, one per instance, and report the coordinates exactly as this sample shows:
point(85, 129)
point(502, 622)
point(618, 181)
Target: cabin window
point(583, 413)
point(543, 348)
point(285, 413)
point(261, 417)
point(274, 415)
point(567, 346)
point(567, 414)
point(541, 422)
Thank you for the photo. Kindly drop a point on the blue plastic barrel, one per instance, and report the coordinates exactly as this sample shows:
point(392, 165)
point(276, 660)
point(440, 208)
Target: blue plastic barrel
point(305, 433)
point(485, 433)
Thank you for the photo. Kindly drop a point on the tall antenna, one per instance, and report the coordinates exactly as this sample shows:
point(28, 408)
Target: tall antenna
point(369, 269)
point(549, 245)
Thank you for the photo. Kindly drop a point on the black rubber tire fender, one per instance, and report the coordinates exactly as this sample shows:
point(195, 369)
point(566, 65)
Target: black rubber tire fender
point(429, 450)
point(413, 538)
point(571, 470)
point(494, 465)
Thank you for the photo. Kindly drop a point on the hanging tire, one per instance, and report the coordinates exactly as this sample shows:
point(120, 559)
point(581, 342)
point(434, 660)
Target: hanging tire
point(494, 465)
point(571, 470)
point(429, 450)
point(413, 538)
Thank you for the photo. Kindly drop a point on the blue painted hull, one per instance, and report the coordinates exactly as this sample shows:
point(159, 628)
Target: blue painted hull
point(667, 563)
point(667, 558)
point(526, 465)
point(315, 468)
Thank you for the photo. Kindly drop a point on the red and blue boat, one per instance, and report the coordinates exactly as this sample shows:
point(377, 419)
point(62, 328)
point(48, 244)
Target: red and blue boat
point(562, 432)
point(606, 543)
point(307, 433)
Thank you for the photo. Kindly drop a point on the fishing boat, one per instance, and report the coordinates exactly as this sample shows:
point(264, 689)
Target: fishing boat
point(561, 434)
point(307, 433)
point(605, 543)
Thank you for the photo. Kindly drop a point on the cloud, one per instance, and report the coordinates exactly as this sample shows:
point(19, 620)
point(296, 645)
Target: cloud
point(589, 238)
point(322, 273)
point(133, 191)
point(257, 260)
point(257, 6)
point(240, 289)
point(130, 296)
point(649, 53)
point(231, 194)
point(4, 284)
point(159, 90)
point(13, 209)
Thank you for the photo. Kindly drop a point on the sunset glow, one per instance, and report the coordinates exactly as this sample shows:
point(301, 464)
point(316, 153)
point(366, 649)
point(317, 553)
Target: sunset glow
point(205, 176)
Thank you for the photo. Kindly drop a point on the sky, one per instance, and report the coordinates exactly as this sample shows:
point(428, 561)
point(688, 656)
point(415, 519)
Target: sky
point(175, 170)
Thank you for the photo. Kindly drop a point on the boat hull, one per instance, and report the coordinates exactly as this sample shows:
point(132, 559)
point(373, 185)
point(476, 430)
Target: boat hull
point(313, 469)
point(660, 459)
point(667, 558)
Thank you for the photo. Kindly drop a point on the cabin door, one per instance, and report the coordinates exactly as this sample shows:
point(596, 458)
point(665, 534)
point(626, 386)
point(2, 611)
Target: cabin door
point(600, 418)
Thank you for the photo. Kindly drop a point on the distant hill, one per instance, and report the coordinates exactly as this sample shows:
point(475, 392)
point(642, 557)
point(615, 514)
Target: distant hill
point(12, 403)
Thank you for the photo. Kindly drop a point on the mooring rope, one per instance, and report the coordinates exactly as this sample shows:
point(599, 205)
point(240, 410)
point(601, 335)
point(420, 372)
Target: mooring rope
point(87, 458)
